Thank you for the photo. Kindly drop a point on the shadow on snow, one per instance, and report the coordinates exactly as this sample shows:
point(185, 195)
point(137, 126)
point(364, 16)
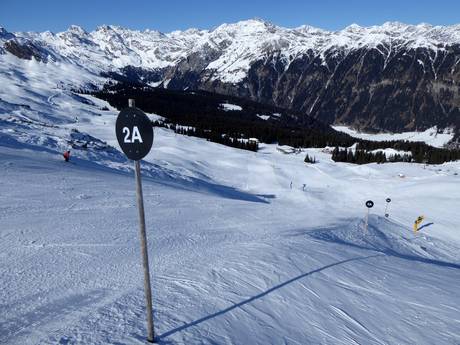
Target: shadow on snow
point(160, 338)
point(150, 172)
point(382, 236)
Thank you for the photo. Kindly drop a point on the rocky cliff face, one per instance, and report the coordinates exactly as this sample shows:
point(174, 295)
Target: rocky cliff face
point(385, 78)
point(410, 89)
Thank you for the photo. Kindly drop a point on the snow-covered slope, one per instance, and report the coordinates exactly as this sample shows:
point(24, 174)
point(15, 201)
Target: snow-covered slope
point(237, 256)
point(430, 136)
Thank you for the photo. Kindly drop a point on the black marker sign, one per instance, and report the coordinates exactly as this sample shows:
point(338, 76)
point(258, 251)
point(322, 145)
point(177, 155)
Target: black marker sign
point(388, 200)
point(134, 133)
point(369, 204)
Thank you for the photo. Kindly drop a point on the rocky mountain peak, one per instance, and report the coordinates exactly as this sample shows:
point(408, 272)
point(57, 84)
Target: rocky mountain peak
point(5, 35)
point(78, 30)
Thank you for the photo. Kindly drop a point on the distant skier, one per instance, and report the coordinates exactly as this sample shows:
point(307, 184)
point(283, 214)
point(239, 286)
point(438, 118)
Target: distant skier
point(290, 185)
point(303, 187)
point(66, 155)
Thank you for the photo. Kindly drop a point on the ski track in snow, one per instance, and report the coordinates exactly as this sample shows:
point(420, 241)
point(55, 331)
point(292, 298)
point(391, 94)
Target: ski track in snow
point(237, 256)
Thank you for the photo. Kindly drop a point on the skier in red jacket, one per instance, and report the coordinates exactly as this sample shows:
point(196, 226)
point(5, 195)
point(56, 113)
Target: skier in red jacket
point(66, 155)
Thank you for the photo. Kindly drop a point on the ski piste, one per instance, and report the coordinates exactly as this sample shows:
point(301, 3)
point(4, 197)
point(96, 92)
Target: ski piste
point(227, 250)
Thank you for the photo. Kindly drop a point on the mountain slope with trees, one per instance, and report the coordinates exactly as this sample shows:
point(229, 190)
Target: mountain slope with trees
point(203, 114)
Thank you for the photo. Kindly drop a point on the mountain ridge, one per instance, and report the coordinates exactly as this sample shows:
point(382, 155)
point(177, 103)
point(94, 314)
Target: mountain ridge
point(292, 40)
point(391, 77)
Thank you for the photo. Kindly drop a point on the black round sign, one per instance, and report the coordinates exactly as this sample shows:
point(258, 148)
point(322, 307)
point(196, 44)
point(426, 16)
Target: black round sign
point(388, 200)
point(134, 133)
point(369, 203)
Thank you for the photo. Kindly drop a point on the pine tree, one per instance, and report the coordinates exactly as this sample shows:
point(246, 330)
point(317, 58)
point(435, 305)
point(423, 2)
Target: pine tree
point(309, 159)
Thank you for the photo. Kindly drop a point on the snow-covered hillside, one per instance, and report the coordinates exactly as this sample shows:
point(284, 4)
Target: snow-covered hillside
point(237, 255)
point(430, 136)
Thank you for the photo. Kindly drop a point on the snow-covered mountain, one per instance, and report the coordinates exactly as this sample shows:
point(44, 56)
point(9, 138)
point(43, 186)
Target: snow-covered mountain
point(389, 77)
point(236, 46)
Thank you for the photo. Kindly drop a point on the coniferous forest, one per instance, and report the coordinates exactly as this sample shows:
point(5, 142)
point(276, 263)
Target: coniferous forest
point(359, 156)
point(200, 114)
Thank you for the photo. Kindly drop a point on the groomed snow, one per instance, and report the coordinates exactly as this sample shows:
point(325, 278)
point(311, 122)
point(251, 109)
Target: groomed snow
point(429, 136)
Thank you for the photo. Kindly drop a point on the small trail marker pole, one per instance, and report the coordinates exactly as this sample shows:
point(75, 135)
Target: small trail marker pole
point(135, 136)
point(369, 205)
point(367, 221)
point(388, 200)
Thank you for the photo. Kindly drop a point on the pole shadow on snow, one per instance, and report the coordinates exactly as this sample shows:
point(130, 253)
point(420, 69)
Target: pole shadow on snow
point(425, 226)
point(160, 338)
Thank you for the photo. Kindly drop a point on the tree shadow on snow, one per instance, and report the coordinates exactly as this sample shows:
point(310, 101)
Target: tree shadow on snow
point(197, 185)
point(150, 172)
point(161, 338)
point(267, 196)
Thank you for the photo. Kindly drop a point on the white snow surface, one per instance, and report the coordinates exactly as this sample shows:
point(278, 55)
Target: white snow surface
point(230, 107)
point(392, 152)
point(236, 255)
point(263, 117)
point(429, 136)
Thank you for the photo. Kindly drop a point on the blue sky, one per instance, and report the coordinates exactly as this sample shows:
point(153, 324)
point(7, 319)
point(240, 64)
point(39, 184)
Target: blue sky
point(54, 15)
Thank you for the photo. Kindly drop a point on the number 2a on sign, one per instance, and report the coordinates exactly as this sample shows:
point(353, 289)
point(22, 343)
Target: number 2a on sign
point(135, 136)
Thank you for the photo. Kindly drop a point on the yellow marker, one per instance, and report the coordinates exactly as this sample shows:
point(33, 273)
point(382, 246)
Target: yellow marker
point(417, 222)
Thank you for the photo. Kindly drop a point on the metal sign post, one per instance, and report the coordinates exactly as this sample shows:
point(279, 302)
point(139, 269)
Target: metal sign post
point(135, 136)
point(145, 256)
